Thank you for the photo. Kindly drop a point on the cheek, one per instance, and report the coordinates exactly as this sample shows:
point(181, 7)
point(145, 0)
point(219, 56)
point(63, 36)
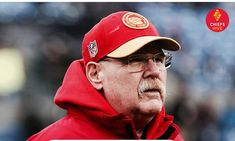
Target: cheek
point(121, 89)
point(121, 83)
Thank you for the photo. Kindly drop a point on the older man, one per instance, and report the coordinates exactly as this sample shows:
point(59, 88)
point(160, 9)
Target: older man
point(118, 89)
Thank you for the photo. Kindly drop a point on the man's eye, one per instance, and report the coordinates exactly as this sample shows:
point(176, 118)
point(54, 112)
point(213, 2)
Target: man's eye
point(159, 60)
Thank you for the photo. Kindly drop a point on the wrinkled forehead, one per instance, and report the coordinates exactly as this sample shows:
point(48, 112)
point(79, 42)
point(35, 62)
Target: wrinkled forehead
point(150, 48)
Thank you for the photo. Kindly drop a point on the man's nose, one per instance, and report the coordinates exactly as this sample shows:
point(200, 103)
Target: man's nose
point(151, 69)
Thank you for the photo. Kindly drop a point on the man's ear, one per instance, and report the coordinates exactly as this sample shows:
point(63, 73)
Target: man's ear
point(93, 75)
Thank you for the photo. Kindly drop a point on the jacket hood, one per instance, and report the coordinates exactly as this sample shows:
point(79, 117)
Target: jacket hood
point(77, 91)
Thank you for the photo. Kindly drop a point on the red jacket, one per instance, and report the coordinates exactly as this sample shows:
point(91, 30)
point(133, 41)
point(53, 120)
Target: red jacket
point(89, 115)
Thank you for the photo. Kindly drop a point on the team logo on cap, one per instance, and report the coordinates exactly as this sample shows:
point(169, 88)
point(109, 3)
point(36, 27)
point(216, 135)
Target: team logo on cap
point(92, 48)
point(135, 21)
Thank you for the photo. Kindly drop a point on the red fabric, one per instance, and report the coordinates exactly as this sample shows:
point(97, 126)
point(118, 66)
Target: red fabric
point(179, 138)
point(90, 116)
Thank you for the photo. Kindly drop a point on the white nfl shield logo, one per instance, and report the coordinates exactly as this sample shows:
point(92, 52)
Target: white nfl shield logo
point(92, 48)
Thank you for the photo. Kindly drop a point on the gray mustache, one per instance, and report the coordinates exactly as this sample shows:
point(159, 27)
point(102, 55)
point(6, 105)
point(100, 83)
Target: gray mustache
point(150, 84)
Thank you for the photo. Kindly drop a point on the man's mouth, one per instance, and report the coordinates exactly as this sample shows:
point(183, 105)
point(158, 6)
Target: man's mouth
point(152, 90)
point(152, 93)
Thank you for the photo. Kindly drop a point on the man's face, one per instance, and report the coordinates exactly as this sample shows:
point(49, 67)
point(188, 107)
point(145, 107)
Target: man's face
point(133, 93)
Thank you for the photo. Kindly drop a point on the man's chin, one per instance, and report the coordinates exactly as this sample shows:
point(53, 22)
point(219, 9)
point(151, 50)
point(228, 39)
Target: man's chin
point(152, 107)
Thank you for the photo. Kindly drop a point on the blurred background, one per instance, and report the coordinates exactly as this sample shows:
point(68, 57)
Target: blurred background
point(38, 41)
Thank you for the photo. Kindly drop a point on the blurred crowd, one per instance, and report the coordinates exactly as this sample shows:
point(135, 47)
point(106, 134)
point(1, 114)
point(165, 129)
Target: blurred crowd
point(38, 41)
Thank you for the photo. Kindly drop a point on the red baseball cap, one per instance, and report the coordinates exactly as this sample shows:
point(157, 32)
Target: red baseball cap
point(121, 34)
